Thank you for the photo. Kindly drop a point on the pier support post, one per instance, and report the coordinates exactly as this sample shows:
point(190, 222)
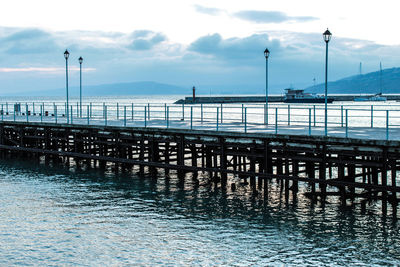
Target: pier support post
point(295, 186)
point(384, 179)
point(223, 162)
point(267, 167)
point(181, 155)
point(310, 170)
point(252, 167)
point(322, 172)
point(166, 155)
point(141, 154)
point(341, 177)
point(209, 160)
point(193, 149)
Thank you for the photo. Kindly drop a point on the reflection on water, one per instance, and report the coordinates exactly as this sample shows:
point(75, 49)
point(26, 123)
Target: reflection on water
point(60, 216)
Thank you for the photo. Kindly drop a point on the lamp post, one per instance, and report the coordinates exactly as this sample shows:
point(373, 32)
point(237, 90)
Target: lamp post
point(266, 54)
point(66, 56)
point(327, 37)
point(80, 86)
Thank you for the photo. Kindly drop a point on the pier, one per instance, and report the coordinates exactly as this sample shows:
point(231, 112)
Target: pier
point(322, 168)
point(261, 99)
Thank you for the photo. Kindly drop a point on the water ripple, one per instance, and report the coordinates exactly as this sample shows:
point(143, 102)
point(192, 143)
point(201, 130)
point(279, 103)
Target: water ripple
point(52, 216)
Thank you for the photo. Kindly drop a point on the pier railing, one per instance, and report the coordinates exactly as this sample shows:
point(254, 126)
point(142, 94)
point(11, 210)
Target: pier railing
point(373, 121)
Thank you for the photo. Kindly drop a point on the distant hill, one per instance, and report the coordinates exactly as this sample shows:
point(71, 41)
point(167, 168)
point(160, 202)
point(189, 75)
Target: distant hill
point(368, 83)
point(133, 88)
point(358, 84)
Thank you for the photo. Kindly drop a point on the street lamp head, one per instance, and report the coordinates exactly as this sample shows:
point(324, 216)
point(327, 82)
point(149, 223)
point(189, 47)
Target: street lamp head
point(66, 54)
point(266, 53)
point(80, 60)
point(327, 36)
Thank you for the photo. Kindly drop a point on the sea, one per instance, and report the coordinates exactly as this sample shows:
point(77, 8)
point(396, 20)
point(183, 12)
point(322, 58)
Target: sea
point(58, 215)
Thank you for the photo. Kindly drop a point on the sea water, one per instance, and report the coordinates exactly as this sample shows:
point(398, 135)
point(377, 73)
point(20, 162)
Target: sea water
point(68, 216)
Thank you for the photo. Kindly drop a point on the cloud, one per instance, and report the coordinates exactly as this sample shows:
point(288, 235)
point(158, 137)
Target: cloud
point(208, 10)
point(258, 16)
point(232, 49)
point(28, 41)
point(45, 69)
point(211, 60)
point(141, 33)
point(145, 40)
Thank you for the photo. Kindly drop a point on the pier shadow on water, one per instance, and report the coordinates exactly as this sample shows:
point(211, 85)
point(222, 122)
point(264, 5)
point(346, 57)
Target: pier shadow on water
point(58, 215)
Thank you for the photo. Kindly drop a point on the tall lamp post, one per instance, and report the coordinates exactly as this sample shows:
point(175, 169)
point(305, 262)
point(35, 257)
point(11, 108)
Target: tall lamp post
point(327, 37)
point(80, 86)
point(66, 56)
point(266, 54)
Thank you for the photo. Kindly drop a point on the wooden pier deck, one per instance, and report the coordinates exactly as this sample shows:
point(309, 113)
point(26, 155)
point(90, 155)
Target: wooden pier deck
point(351, 169)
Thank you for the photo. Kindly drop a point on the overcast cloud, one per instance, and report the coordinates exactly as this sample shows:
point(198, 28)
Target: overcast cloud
point(32, 59)
point(259, 16)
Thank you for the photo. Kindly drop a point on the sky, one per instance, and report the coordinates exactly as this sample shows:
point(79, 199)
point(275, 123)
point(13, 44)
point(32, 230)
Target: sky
point(208, 44)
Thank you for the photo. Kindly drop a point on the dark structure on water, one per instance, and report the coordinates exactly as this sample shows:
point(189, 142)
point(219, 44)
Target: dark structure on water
point(261, 99)
point(349, 168)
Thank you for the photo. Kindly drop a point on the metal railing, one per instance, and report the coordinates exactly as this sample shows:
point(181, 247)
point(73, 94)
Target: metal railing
point(343, 120)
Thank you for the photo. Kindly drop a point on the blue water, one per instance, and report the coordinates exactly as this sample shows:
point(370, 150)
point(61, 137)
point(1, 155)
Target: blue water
point(55, 215)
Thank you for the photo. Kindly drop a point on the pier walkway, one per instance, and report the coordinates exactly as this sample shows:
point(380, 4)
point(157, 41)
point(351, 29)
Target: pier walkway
point(357, 170)
point(355, 163)
point(375, 133)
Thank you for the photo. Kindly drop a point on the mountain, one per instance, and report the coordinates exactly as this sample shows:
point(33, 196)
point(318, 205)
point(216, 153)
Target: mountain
point(368, 83)
point(133, 88)
point(358, 84)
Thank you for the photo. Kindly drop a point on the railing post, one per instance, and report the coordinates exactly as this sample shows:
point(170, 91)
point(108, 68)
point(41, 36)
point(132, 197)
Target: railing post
point(27, 118)
point(341, 116)
point(245, 119)
point(288, 114)
point(347, 124)
point(91, 110)
point(88, 113)
point(105, 114)
point(217, 118)
point(77, 109)
point(191, 117)
point(387, 124)
point(7, 107)
point(372, 116)
point(145, 116)
point(242, 113)
point(117, 111)
point(33, 108)
point(265, 114)
point(15, 107)
point(167, 117)
point(148, 111)
point(201, 112)
point(55, 113)
point(315, 116)
point(2, 112)
point(165, 111)
point(183, 111)
point(276, 120)
point(41, 114)
point(222, 113)
point(309, 121)
point(124, 116)
point(104, 110)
